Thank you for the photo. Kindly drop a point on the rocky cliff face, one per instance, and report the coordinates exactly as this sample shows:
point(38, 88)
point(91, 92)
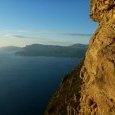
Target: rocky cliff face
point(98, 71)
point(67, 98)
point(97, 95)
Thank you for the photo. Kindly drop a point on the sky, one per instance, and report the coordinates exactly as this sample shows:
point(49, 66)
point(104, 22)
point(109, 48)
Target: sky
point(60, 22)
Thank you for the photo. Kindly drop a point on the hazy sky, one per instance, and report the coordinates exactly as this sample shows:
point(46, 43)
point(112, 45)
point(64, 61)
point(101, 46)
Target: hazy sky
point(60, 22)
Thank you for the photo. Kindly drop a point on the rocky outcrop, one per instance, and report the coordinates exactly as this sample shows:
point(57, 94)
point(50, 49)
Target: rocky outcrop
point(98, 71)
point(97, 92)
point(67, 98)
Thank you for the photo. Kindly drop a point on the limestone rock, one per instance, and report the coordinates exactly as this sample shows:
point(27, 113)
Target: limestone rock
point(67, 98)
point(98, 71)
point(97, 92)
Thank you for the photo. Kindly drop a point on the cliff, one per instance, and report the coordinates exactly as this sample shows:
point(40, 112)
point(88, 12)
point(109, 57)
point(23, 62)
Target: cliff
point(98, 71)
point(67, 97)
point(93, 94)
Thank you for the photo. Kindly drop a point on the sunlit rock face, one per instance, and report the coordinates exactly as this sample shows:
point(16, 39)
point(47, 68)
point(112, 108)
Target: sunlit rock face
point(97, 92)
point(98, 71)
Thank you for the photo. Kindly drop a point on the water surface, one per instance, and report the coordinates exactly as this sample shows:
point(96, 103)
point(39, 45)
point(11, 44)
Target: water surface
point(27, 83)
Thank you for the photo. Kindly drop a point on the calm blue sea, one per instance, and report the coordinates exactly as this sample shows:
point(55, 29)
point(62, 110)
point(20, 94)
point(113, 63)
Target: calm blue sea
point(27, 83)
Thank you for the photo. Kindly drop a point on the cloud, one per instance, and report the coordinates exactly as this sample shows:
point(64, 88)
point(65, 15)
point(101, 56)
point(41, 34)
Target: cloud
point(14, 31)
point(17, 36)
point(41, 33)
point(14, 36)
point(75, 34)
point(64, 33)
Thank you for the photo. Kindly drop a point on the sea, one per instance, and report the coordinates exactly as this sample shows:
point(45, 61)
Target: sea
point(27, 83)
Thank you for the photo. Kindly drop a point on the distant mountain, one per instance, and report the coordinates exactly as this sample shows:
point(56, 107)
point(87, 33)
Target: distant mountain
point(76, 50)
point(80, 46)
point(10, 49)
